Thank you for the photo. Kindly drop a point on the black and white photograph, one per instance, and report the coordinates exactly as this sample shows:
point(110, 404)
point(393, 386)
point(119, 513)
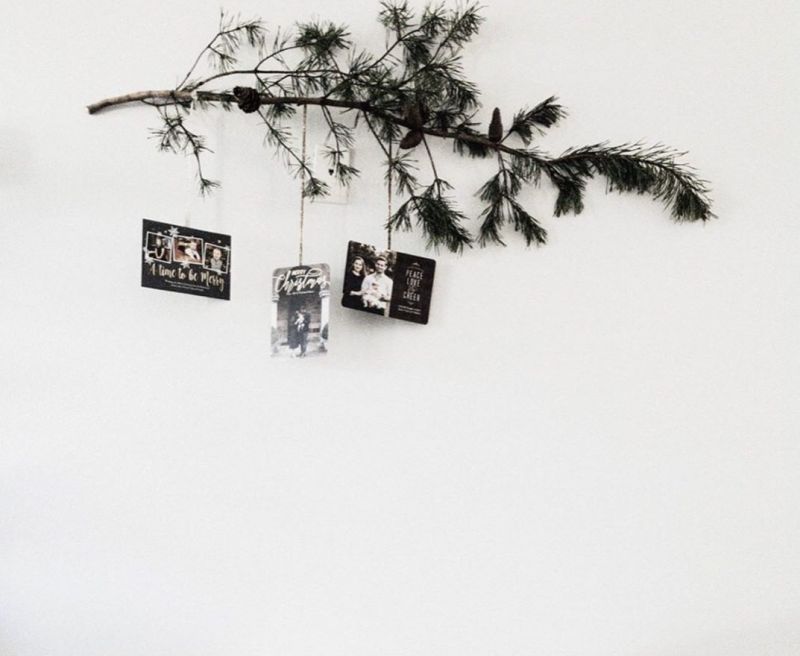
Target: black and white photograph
point(174, 259)
point(216, 258)
point(388, 283)
point(188, 249)
point(300, 311)
point(159, 247)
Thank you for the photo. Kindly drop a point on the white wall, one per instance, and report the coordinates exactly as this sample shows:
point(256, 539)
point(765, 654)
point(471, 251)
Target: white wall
point(592, 449)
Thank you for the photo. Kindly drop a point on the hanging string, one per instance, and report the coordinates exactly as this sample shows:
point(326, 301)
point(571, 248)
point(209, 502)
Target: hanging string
point(387, 37)
point(389, 201)
point(303, 180)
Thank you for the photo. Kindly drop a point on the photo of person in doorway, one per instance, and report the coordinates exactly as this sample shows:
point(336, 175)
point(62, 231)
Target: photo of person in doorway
point(298, 333)
point(300, 311)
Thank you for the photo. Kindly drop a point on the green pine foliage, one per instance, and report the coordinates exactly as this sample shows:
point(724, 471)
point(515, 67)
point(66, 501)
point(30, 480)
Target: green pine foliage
point(500, 195)
point(436, 214)
point(415, 88)
point(530, 122)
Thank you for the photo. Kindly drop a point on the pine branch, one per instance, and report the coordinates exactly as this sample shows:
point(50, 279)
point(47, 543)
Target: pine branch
point(279, 139)
point(229, 39)
point(436, 215)
point(175, 137)
point(280, 46)
point(390, 24)
point(430, 159)
point(343, 139)
point(462, 25)
point(529, 121)
point(635, 168)
point(395, 16)
point(415, 87)
point(398, 168)
point(321, 42)
point(500, 193)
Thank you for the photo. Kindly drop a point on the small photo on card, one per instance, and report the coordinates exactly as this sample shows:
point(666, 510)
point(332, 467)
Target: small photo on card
point(186, 260)
point(158, 247)
point(188, 248)
point(300, 310)
point(388, 283)
point(216, 258)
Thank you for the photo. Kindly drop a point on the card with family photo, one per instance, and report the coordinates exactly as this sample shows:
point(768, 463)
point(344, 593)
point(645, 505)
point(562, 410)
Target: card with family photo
point(300, 310)
point(388, 283)
point(186, 260)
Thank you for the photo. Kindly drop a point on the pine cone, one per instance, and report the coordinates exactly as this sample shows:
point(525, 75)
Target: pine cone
point(423, 112)
point(247, 98)
point(496, 127)
point(413, 138)
point(415, 114)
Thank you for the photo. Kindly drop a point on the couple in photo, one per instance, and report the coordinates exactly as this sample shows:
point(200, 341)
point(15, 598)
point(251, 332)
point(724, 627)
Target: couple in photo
point(368, 289)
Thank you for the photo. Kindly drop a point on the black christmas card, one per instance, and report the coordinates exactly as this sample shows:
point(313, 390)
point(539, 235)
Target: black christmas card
point(186, 260)
point(388, 283)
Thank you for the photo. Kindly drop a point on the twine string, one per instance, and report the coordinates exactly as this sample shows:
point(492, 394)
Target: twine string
point(389, 189)
point(303, 180)
point(389, 200)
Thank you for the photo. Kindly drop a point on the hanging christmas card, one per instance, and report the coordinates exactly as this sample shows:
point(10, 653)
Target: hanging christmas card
point(300, 310)
point(186, 260)
point(388, 283)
